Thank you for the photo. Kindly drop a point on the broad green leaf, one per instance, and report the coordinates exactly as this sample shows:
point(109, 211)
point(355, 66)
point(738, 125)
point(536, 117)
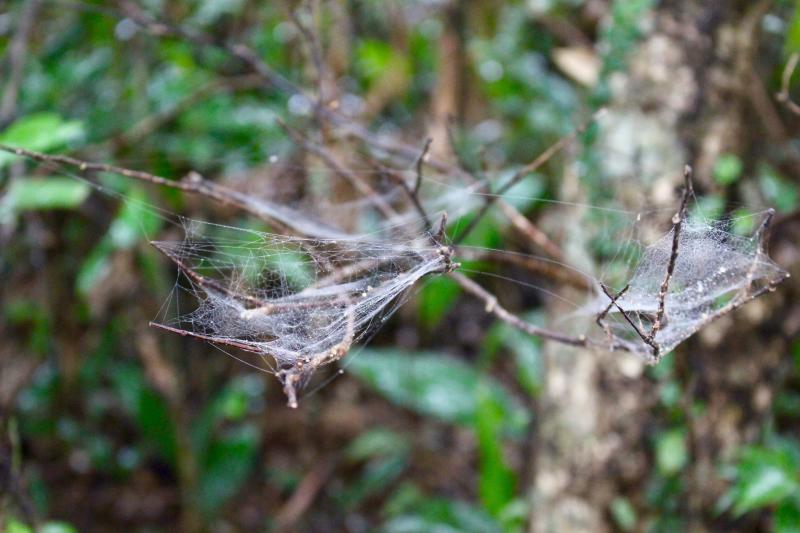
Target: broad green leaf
point(777, 190)
point(766, 475)
point(435, 299)
point(376, 442)
point(57, 527)
point(496, 482)
point(442, 516)
point(432, 384)
point(15, 526)
point(226, 465)
point(787, 517)
point(671, 452)
point(148, 409)
point(135, 222)
point(792, 42)
point(36, 194)
point(623, 513)
point(40, 132)
point(765, 486)
point(727, 169)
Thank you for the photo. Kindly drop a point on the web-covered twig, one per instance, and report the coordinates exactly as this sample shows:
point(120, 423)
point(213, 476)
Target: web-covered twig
point(677, 224)
point(350, 127)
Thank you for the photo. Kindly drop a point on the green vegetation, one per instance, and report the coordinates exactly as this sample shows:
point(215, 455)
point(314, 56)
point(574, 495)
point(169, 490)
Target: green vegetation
point(106, 424)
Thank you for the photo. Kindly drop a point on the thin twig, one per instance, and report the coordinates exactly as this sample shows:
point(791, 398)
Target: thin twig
point(677, 221)
point(523, 171)
point(351, 128)
point(518, 221)
point(216, 340)
point(552, 270)
point(17, 52)
point(493, 306)
point(786, 79)
point(630, 321)
point(359, 184)
point(302, 498)
point(160, 28)
point(315, 51)
point(278, 216)
point(418, 165)
point(600, 319)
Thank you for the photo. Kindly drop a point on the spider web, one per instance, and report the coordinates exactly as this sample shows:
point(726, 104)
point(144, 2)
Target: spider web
point(715, 272)
point(296, 303)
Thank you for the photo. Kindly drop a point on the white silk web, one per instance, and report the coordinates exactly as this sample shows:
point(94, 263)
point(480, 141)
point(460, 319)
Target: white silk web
point(715, 272)
point(297, 303)
point(300, 302)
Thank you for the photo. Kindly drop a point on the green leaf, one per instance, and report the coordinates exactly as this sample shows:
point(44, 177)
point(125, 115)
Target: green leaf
point(787, 517)
point(727, 169)
point(37, 194)
point(435, 299)
point(779, 191)
point(134, 222)
point(15, 526)
point(57, 527)
point(148, 409)
point(766, 476)
point(442, 516)
point(375, 443)
point(765, 486)
point(378, 474)
point(432, 384)
point(623, 513)
point(40, 132)
point(525, 349)
point(497, 482)
point(792, 42)
point(378, 60)
point(226, 465)
point(671, 452)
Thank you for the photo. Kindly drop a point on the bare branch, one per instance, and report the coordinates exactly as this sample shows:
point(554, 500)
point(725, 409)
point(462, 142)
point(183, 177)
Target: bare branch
point(493, 306)
point(420, 161)
point(355, 180)
point(278, 216)
point(786, 80)
point(543, 267)
point(524, 171)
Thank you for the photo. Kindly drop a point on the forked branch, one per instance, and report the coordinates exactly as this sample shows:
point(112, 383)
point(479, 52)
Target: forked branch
point(786, 81)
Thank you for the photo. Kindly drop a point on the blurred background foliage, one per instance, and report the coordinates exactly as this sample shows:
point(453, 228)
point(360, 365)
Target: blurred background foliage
point(107, 425)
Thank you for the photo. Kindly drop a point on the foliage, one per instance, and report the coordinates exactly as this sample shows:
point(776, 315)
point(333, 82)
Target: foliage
point(434, 436)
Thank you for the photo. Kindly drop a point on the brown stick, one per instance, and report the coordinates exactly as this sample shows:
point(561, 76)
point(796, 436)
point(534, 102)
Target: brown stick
point(551, 270)
point(493, 307)
point(359, 184)
point(677, 221)
point(524, 171)
point(17, 52)
point(786, 80)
